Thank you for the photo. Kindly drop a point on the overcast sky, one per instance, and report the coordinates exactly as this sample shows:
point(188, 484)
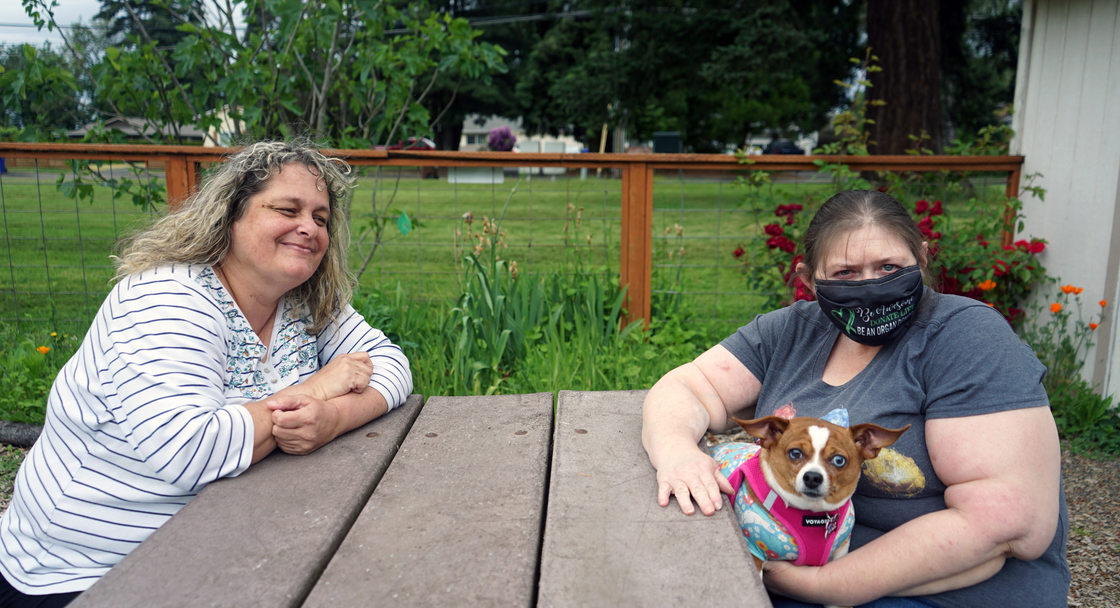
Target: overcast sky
point(17, 28)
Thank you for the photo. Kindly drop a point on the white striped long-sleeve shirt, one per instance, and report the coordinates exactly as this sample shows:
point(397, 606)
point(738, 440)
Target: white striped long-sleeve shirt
point(147, 412)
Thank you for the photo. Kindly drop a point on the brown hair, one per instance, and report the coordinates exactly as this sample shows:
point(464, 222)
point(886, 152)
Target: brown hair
point(852, 209)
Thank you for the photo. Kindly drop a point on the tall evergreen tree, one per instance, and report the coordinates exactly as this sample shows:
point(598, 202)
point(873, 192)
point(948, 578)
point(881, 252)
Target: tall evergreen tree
point(905, 36)
point(139, 21)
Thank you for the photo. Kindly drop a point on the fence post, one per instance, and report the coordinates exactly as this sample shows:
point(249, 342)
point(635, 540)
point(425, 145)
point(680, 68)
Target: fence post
point(182, 179)
point(637, 239)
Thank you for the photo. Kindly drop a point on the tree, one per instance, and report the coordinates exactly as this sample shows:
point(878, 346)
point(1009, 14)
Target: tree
point(780, 69)
point(981, 54)
point(454, 98)
point(139, 21)
point(948, 69)
point(350, 73)
point(39, 92)
point(716, 71)
point(906, 39)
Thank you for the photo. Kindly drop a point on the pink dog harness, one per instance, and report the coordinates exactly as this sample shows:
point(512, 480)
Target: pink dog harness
point(773, 529)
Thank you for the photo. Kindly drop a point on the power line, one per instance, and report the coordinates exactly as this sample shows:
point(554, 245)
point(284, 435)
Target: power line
point(68, 27)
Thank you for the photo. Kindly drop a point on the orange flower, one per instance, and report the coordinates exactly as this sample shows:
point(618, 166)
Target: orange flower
point(1103, 303)
point(1068, 289)
point(1055, 308)
point(1093, 326)
point(44, 349)
point(987, 285)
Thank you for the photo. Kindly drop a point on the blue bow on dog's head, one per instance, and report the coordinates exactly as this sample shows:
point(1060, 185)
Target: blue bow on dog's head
point(838, 416)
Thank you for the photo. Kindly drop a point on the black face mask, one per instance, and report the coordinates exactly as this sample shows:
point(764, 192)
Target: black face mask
point(874, 311)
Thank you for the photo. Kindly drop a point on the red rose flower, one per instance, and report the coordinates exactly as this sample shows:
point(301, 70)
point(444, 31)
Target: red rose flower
point(921, 207)
point(801, 292)
point(1001, 268)
point(781, 242)
point(774, 230)
point(738, 252)
point(926, 226)
point(1037, 246)
point(790, 209)
point(936, 209)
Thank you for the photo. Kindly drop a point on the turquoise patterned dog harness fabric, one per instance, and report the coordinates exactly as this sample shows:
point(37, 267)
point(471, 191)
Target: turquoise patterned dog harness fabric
point(774, 530)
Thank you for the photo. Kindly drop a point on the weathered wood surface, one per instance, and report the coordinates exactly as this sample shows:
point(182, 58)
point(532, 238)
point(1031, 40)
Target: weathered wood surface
point(456, 521)
point(607, 543)
point(263, 538)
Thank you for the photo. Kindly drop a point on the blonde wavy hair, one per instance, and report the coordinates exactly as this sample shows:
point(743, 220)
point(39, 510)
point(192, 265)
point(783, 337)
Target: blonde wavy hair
point(199, 230)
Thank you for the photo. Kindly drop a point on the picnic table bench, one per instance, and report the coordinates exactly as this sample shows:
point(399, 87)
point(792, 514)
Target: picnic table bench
point(472, 501)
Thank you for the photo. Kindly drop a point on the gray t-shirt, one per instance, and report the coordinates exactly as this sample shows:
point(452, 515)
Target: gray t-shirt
point(959, 357)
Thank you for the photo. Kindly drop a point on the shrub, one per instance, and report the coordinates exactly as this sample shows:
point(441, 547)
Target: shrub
point(967, 257)
point(1061, 336)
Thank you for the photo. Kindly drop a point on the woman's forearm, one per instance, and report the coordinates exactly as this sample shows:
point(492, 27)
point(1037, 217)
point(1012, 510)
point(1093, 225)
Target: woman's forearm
point(356, 409)
point(967, 578)
point(263, 441)
point(936, 552)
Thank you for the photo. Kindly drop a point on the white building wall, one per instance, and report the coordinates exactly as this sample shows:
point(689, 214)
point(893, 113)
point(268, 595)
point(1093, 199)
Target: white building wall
point(1067, 125)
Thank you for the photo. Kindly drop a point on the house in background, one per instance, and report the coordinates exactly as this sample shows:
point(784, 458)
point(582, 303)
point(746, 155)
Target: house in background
point(137, 128)
point(1068, 129)
point(476, 130)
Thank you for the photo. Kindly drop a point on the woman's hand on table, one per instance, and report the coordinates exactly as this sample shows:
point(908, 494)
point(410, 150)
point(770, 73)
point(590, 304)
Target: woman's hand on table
point(692, 475)
point(348, 373)
point(302, 423)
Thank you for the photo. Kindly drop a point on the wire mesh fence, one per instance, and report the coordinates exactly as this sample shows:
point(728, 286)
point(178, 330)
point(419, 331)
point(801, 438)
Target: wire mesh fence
point(413, 226)
point(57, 247)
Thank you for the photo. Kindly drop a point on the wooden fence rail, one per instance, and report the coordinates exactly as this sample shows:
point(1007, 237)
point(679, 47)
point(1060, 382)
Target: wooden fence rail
point(183, 168)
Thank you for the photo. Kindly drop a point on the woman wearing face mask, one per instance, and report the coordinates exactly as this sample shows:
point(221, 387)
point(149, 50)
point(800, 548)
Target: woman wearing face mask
point(967, 508)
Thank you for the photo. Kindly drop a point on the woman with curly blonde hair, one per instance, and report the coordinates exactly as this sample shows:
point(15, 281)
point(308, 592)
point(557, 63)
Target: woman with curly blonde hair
point(199, 231)
point(228, 334)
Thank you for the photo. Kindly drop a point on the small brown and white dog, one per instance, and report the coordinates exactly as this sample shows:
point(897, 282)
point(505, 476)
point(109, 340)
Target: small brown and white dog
point(793, 489)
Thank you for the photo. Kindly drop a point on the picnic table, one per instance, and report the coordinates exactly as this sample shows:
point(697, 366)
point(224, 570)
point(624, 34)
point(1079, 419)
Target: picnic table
point(472, 501)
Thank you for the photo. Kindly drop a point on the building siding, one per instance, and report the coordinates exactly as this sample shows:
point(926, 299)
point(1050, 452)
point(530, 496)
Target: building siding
point(1067, 127)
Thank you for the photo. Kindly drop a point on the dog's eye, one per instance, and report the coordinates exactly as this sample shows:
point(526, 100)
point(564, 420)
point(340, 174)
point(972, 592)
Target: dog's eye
point(795, 454)
point(839, 461)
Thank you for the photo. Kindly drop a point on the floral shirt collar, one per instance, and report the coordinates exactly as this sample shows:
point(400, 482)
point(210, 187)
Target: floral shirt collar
point(249, 373)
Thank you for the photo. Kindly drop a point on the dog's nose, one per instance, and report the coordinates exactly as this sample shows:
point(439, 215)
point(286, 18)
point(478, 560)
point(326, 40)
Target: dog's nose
point(812, 479)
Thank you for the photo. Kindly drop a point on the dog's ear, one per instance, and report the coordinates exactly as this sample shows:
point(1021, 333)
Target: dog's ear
point(767, 429)
point(871, 438)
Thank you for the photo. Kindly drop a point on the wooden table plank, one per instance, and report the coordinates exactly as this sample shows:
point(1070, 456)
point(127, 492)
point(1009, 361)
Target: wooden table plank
point(606, 541)
point(456, 521)
point(260, 539)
